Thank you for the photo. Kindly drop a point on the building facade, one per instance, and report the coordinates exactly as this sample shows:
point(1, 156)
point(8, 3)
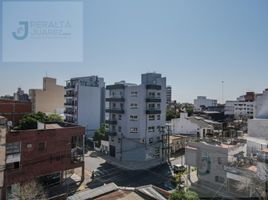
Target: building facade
point(261, 105)
point(191, 126)
point(203, 102)
point(242, 107)
point(85, 102)
point(239, 109)
point(169, 95)
point(210, 158)
point(14, 110)
point(50, 99)
point(44, 155)
point(137, 117)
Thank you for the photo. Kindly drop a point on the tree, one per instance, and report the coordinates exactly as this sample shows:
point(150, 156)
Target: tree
point(100, 134)
point(30, 121)
point(54, 118)
point(29, 191)
point(183, 195)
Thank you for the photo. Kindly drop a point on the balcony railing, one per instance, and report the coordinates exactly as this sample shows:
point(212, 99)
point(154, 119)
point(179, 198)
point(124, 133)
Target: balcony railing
point(115, 99)
point(152, 111)
point(115, 110)
point(153, 99)
point(69, 95)
point(69, 87)
point(111, 122)
point(153, 87)
point(69, 112)
point(116, 86)
point(70, 104)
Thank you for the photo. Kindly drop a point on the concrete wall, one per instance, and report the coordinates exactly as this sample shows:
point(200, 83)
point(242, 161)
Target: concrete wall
point(50, 99)
point(183, 125)
point(89, 108)
point(262, 105)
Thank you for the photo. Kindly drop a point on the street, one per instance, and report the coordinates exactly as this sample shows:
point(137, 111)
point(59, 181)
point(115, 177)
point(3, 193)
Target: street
point(105, 173)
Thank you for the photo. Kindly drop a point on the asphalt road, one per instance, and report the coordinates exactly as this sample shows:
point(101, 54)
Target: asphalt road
point(106, 173)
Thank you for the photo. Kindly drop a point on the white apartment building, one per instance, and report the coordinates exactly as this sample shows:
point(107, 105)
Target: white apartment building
point(258, 127)
point(242, 107)
point(202, 102)
point(191, 126)
point(85, 102)
point(239, 109)
point(137, 117)
point(261, 105)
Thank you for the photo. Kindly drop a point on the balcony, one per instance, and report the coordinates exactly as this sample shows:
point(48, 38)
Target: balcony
point(116, 86)
point(153, 99)
point(69, 95)
point(69, 87)
point(115, 110)
point(115, 99)
point(69, 112)
point(70, 104)
point(111, 122)
point(153, 111)
point(153, 87)
point(112, 133)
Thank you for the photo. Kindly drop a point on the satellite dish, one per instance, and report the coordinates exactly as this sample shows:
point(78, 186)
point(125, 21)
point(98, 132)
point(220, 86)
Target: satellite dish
point(9, 123)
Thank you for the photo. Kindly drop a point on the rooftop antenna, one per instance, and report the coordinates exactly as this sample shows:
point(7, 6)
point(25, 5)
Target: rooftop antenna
point(222, 91)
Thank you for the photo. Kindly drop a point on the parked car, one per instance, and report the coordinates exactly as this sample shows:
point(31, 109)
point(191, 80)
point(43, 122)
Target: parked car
point(178, 168)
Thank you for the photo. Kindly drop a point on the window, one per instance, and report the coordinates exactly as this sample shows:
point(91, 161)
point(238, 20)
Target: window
point(133, 130)
point(119, 117)
point(119, 128)
point(133, 117)
point(133, 106)
point(29, 146)
point(151, 117)
point(151, 129)
point(151, 140)
point(134, 93)
point(41, 146)
point(119, 140)
point(158, 117)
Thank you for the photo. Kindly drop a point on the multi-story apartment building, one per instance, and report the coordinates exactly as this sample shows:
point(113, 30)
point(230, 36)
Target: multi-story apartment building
point(242, 107)
point(202, 103)
point(137, 117)
point(169, 95)
point(85, 102)
point(239, 109)
point(20, 95)
point(14, 110)
point(45, 155)
point(50, 99)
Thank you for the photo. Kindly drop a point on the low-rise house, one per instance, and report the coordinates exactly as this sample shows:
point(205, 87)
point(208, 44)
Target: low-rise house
point(192, 126)
point(177, 143)
point(14, 110)
point(113, 192)
point(44, 155)
point(210, 158)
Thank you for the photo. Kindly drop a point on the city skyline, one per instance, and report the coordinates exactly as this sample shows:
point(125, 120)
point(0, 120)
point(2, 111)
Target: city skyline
point(196, 45)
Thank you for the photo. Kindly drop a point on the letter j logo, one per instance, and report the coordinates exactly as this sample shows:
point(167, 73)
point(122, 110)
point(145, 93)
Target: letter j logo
point(22, 31)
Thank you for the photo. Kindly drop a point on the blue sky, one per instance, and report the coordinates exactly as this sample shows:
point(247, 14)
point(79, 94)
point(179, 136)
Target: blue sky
point(195, 44)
